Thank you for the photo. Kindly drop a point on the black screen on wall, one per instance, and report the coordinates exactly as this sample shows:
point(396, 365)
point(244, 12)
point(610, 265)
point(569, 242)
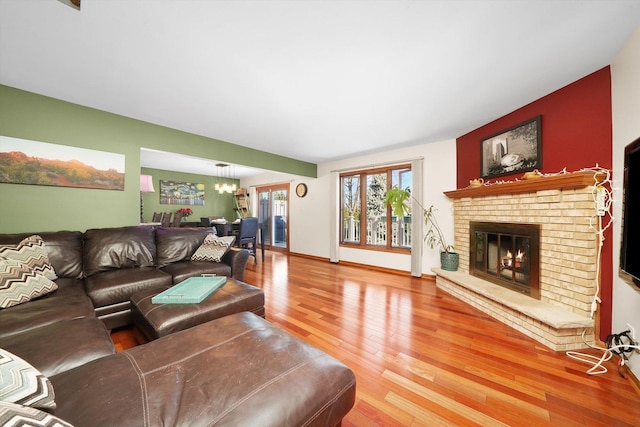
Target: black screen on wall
point(630, 251)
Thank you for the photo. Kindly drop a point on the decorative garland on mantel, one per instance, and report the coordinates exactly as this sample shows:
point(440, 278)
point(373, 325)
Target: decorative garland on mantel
point(532, 182)
point(597, 170)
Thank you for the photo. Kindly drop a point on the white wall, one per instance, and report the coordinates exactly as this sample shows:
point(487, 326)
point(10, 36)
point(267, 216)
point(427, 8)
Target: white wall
point(625, 82)
point(310, 216)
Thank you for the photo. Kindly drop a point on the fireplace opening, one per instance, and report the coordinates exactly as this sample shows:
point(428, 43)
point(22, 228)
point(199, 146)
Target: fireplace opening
point(506, 254)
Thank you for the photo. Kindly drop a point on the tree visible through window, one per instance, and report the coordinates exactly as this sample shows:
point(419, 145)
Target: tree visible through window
point(371, 223)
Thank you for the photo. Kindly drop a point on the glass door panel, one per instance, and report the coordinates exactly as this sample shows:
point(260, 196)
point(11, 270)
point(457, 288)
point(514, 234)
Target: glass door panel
point(273, 213)
point(279, 208)
point(264, 215)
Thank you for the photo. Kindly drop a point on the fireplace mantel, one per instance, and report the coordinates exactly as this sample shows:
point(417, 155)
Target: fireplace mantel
point(555, 182)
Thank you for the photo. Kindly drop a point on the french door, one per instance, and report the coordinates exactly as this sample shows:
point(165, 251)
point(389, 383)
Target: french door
point(273, 213)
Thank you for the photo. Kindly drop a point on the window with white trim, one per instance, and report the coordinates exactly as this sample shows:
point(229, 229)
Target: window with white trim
point(366, 220)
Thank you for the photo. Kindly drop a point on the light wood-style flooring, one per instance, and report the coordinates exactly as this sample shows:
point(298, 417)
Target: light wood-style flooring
point(423, 358)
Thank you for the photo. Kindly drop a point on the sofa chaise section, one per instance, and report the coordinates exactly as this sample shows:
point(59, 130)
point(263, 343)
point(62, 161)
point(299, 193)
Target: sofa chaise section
point(235, 371)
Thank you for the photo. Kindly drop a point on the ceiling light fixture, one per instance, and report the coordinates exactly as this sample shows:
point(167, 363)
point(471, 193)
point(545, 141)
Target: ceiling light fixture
point(224, 171)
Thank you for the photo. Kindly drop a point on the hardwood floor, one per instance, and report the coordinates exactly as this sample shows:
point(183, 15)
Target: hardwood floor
point(423, 358)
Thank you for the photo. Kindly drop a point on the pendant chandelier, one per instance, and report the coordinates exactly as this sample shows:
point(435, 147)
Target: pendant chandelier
point(224, 171)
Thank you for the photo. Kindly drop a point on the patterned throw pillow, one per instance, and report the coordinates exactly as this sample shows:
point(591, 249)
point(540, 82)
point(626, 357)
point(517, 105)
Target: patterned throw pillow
point(17, 415)
point(213, 248)
point(32, 252)
point(23, 384)
point(19, 283)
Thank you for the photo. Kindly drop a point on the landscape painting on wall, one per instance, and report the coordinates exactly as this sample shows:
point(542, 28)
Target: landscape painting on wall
point(181, 193)
point(517, 149)
point(41, 163)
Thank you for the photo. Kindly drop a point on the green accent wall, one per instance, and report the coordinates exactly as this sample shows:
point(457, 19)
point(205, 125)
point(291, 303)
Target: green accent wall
point(27, 208)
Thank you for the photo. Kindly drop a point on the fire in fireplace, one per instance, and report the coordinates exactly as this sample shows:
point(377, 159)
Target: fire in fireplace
point(506, 254)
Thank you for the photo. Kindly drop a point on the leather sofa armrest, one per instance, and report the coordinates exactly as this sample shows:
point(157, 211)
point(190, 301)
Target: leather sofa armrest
point(237, 259)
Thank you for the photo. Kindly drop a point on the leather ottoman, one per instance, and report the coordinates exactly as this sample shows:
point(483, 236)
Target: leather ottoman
point(158, 320)
point(239, 370)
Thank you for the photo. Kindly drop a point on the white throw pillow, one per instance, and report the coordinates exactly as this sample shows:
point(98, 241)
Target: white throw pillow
point(32, 252)
point(19, 283)
point(23, 384)
point(213, 248)
point(12, 414)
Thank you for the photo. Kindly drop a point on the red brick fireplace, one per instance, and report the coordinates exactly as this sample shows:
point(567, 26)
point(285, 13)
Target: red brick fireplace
point(561, 207)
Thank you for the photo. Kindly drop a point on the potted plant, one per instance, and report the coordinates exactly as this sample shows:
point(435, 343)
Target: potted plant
point(397, 199)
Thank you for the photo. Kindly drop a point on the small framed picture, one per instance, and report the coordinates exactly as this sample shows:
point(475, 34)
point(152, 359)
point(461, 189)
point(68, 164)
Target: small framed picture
point(517, 149)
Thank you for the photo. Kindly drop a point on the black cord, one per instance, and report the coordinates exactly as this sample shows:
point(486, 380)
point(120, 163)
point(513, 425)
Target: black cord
point(624, 344)
point(622, 340)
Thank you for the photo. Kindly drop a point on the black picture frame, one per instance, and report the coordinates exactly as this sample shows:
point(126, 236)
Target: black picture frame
point(513, 150)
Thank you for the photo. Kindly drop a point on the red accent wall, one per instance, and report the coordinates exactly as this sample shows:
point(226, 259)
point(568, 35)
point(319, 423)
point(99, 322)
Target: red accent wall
point(576, 134)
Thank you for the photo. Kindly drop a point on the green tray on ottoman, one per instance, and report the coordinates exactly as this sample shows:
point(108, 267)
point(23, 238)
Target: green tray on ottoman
point(190, 291)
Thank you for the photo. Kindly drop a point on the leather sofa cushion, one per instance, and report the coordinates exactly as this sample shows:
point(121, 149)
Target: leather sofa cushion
point(115, 286)
point(180, 271)
point(118, 248)
point(245, 372)
point(69, 301)
point(64, 249)
point(61, 346)
point(176, 244)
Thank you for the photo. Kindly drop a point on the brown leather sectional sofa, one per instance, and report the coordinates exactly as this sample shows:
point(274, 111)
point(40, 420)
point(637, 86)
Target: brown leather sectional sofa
point(237, 370)
point(98, 271)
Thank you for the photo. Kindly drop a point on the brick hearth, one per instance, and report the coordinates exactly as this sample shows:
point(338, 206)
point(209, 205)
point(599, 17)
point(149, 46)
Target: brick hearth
point(563, 206)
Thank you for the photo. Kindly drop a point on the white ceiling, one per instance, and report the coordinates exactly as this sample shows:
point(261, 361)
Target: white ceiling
point(156, 159)
point(311, 80)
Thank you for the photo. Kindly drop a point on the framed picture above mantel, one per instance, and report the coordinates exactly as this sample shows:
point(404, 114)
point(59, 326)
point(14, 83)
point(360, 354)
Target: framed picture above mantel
point(513, 150)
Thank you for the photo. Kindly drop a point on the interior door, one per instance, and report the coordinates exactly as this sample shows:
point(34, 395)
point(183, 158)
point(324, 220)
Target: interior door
point(273, 213)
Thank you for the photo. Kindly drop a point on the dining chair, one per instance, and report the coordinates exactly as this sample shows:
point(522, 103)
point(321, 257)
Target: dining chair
point(157, 217)
point(177, 217)
point(166, 219)
point(247, 236)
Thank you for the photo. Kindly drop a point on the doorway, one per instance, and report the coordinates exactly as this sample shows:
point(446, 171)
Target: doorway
point(273, 213)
